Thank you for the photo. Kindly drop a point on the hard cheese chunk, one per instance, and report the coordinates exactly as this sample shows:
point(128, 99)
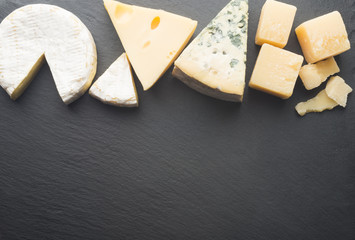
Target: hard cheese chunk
point(276, 71)
point(323, 37)
point(338, 90)
point(214, 63)
point(116, 86)
point(276, 20)
point(313, 75)
point(319, 103)
point(152, 38)
point(36, 32)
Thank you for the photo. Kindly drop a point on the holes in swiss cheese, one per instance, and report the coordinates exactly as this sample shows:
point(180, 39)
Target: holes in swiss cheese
point(146, 44)
point(155, 23)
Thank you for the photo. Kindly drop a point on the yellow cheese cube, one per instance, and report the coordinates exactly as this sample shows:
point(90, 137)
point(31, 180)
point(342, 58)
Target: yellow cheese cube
point(276, 20)
point(338, 90)
point(323, 37)
point(313, 75)
point(276, 71)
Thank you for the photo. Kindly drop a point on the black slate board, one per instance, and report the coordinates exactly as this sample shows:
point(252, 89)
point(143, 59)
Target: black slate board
point(182, 165)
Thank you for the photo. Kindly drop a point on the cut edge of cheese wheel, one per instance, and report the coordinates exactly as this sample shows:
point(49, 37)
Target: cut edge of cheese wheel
point(116, 86)
point(207, 90)
point(152, 38)
point(46, 32)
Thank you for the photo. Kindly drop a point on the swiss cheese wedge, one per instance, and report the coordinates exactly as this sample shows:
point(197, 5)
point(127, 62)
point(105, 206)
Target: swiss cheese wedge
point(152, 38)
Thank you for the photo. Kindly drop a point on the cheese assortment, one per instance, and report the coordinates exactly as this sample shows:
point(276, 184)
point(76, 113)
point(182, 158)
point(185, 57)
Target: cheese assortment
point(214, 63)
point(323, 37)
point(276, 20)
point(276, 71)
point(152, 39)
point(335, 94)
point(36, 32)
point(116, 86)
point(313, 75)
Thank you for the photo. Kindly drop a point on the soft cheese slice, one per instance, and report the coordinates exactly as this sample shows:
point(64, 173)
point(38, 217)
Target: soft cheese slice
point(214, 63)
point(153, 39)
point(313, 75)
point(276, 20)
point(338, 90)
point(319, 103)
point(276, 71)
point(323, 37)
point(36, 32)
point(116, 86)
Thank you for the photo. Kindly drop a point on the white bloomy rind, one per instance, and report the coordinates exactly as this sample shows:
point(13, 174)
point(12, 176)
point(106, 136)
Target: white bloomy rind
point(116, 86)
point(36, 31)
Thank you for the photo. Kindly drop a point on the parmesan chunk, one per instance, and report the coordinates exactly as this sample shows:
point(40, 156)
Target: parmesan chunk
point(338, 90)
point(313, 75)
point(319, 103)
point(276, 20)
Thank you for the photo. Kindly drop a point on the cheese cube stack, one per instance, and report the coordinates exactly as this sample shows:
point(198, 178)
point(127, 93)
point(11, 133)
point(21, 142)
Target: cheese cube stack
point(276, 71)
point(323, 37)
point(152, 38)
point(214, 63)
point(116, 86)
point(276, 20)
point(313, 75)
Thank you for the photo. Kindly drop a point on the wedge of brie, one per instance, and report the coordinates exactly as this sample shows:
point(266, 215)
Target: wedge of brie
point(116, 86)
point(36, 32)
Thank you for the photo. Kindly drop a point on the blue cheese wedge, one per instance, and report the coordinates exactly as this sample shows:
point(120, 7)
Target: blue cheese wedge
point(214, 63)
point(116, 86)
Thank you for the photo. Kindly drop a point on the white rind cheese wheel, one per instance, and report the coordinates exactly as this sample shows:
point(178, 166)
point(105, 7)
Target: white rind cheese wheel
point(34, 32)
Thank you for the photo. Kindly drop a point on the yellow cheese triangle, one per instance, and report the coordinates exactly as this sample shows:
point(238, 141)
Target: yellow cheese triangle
point(152, 39)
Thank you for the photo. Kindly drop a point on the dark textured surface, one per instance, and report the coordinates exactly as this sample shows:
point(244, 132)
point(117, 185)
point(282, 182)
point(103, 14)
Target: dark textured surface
point(182, 165)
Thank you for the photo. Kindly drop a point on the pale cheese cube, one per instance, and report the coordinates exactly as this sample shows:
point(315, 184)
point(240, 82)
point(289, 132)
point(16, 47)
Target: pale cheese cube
point(323, 37)
point(313, 75)
point(338, 90)
point(276, 20)
point(319, 103)
point(276, 71)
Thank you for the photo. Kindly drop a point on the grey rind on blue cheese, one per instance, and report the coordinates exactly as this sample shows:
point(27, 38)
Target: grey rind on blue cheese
point(215, 61)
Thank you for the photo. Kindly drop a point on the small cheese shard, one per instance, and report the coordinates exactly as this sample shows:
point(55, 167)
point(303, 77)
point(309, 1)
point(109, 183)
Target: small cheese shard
point(214, 63)
point(313, 75)
point(276, 20)
point(319, 103)
point(323, 37)
point(38, 32)
point(152, 39)
point(338, 90)
point(276, 71)
point(116, 86)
